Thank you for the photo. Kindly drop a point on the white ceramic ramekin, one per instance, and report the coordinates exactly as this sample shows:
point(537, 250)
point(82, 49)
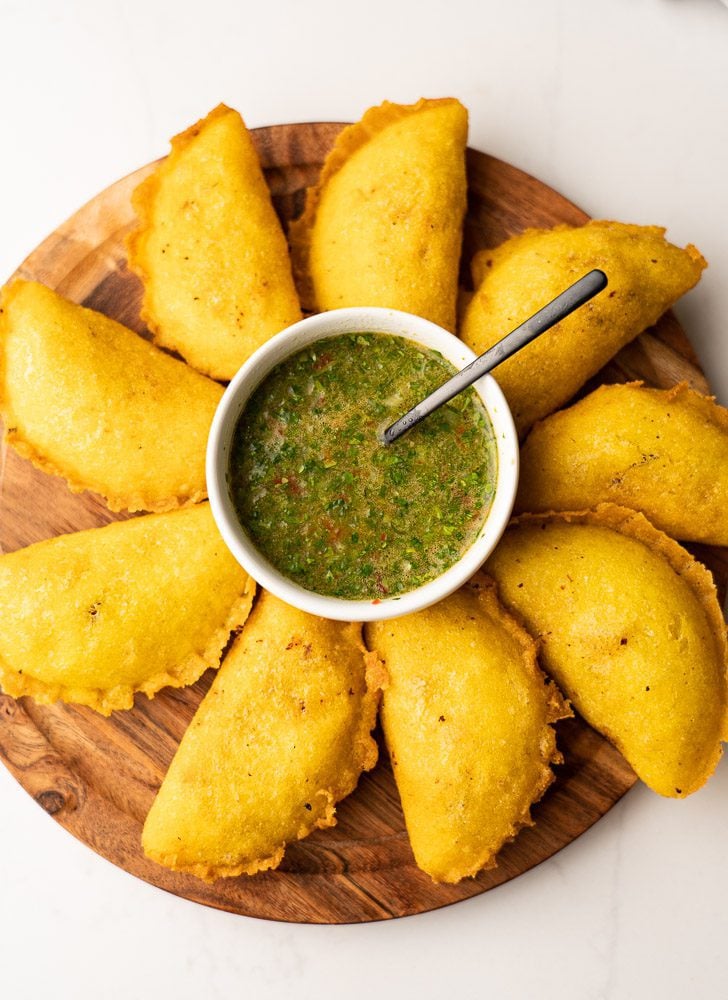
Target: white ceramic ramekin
point(255, 369)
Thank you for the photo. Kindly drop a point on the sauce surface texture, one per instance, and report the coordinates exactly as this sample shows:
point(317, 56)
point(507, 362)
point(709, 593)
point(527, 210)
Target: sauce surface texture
point(329, 505)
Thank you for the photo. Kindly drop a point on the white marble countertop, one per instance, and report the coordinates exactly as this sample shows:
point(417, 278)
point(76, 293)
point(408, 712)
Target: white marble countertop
point(623, 106)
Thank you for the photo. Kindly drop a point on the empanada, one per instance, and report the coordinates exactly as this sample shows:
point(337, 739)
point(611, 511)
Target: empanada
point(661, 451)
point(137, 605)
point(282, 735)
point(383, 226)
point(632, 632)
point(85, 398)
point(466, 715)
point(210, 250)
point(646, 275)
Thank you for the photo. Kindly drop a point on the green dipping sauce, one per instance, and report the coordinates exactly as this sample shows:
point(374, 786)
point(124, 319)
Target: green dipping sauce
point(329, 505)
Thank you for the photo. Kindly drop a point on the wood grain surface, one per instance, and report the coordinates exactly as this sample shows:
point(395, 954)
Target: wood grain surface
point(97, 777)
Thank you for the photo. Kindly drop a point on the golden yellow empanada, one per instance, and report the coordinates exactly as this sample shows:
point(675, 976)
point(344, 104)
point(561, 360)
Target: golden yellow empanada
point(466, 715)
point(282, 735)
point(135, 606)
point(632, 632)
point(210, 250)
point(87, 399)
point(661, 451)
point(383, 226)
point(646, 275)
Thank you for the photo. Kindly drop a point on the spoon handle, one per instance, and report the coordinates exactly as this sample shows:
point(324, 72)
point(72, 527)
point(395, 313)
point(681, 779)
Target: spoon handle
point(570, 299)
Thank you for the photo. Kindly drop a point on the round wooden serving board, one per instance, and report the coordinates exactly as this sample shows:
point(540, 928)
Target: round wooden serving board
point(97, 777)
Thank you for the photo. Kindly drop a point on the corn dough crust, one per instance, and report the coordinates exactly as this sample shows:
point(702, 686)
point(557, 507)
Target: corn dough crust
point(210, 250)
point(84, 398)
point(646, 276)
point(643, 657)
point(137, 605)
point(383, 225)
point(468, 719)
point(661, 451)
point(282, 735)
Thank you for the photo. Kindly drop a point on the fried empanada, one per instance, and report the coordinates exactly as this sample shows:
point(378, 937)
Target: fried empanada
point(282, 735)
point(632, 632)
point(661, 451)
point(85, 398)
point(210, 250)
point(466, 715)
point(646, 275)
point(137, 605)
point(383, 226)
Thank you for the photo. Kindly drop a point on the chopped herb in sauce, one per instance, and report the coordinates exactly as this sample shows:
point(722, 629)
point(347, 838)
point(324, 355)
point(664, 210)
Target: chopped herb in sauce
point(326, 502)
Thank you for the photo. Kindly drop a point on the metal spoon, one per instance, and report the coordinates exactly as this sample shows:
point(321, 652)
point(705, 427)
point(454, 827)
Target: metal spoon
point(564, 304)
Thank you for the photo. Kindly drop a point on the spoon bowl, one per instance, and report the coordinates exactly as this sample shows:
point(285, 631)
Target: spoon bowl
point(247, 380)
